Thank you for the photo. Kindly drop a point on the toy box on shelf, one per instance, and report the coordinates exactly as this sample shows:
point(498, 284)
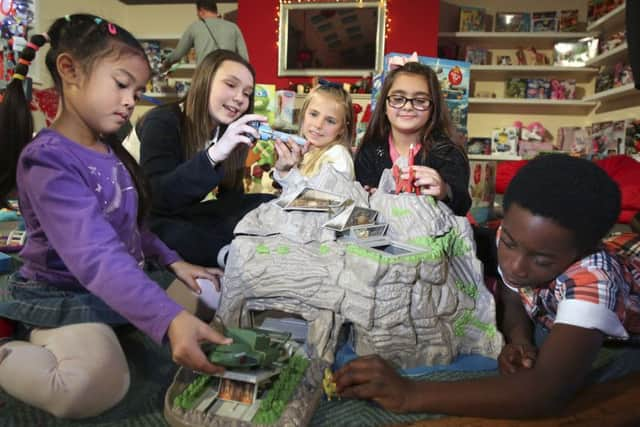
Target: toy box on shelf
point(575, 54)
point(568, 21)
point(544, 21)
point(454, 83)
point(264, 101)
point(504, 140)
point(598, 8)
point(479, 146)
point(513, 22)
point(632, 138)
point(607, 138)
point(472, 19)
point(482, 187)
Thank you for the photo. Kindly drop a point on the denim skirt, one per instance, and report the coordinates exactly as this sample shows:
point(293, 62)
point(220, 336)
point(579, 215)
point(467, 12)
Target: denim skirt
point(33, 303)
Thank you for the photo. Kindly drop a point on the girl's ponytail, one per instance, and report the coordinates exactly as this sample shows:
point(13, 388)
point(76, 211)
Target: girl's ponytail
point(16, 122)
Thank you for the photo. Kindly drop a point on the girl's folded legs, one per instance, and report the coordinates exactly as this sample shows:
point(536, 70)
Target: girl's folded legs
point(73, 371)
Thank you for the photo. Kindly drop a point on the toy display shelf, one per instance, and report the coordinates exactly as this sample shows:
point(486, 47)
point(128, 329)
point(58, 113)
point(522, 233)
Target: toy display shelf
point(613, 20)
point(615, 93)
point(497, 157)
point(509, 40)
point(618, 53)
point(503, 72)
point(531, 106)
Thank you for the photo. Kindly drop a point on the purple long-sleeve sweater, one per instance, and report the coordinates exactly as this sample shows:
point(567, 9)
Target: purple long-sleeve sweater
point(80, 209)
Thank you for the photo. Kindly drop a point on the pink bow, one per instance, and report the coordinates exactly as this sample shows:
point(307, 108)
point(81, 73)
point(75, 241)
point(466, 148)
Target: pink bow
point(399, 61)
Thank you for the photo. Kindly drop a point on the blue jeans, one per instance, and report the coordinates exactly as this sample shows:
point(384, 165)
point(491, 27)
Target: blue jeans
point(614, 360)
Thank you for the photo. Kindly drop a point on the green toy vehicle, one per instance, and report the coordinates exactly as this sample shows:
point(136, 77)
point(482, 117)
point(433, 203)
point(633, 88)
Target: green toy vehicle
point(251, 348)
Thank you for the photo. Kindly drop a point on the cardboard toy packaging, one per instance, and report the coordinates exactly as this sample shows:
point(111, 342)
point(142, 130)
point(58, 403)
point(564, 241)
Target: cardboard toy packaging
point(264, 101)
point(482, 187)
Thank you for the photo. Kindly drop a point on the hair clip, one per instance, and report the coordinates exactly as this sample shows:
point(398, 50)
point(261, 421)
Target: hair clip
point(17, 76)
point(112, 29)
point(33, 46)
point(327, 83)
point(46, 37)
point(67, 18)
point(97, 20)
point(24, 62)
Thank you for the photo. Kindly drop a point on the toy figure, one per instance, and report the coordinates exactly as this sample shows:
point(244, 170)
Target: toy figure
point(557, 89)
point(406, 185)
point(534, 131)
point(329, 385)
point(266, 133)
point(522, 59)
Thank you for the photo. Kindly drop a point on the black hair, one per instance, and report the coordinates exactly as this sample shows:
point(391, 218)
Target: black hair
point(573, 192)
point(88, 38)
point(209, 5)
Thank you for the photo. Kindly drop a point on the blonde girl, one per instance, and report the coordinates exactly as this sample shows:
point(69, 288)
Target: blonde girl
point(327, 125)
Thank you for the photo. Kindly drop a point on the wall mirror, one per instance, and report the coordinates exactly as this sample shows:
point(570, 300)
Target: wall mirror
point(331, 39)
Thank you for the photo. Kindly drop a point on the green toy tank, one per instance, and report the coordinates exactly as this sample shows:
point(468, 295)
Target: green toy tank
point(251, 348)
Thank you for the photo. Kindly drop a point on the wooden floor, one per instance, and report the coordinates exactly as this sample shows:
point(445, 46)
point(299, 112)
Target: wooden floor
point(613, 404)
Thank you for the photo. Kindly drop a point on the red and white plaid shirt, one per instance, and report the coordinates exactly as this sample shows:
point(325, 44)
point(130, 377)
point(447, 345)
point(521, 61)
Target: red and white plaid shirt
point(601, 291)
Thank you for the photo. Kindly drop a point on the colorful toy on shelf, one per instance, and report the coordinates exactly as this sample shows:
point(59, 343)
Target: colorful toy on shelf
point(406, 185)
point(533, 132)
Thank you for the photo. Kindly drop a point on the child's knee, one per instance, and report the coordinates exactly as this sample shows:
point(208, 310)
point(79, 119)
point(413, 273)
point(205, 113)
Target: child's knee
point(90, 390)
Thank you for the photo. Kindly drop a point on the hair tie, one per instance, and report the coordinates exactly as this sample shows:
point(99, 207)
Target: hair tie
point(67, 18)
point(17, 76)
point(24, 62)
point(327, 83)
point(46, 37)
point(33, 46)
point(112, 29)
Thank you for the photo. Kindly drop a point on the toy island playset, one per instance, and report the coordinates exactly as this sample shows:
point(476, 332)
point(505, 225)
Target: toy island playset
point(393, 273)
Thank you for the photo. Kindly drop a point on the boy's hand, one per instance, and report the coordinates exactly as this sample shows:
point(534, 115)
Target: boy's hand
point(370, 377)
point(515, 357)
point(186, 332)
point(188, 273)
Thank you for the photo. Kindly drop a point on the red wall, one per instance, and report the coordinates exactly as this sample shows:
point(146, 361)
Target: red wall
point(413, 26)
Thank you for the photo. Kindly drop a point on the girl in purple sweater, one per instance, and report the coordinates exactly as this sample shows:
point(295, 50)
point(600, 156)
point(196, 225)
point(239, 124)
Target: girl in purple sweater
point(84, 205)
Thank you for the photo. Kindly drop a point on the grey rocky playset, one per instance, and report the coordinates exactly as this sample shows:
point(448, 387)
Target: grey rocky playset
point(398, 271)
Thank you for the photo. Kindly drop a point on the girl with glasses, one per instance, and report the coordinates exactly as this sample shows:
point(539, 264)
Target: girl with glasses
point(411, 119)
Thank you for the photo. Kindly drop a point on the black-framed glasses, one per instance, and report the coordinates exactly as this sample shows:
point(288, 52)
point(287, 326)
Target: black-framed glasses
point(399, 101)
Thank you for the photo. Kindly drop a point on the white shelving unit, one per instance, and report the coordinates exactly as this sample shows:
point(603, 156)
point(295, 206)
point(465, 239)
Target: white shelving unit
point(531, 106)
point(497, 157)
point(611, 21)
point(607, 24)
point(614, 55)
point(502, 72)
point(615, 93)
point(493, 40)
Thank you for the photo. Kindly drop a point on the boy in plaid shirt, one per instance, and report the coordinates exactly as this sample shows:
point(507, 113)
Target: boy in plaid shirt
point(566, 295)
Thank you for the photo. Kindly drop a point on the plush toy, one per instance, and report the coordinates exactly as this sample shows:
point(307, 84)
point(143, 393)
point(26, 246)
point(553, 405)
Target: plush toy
point(533, 132)
point(557, 89)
